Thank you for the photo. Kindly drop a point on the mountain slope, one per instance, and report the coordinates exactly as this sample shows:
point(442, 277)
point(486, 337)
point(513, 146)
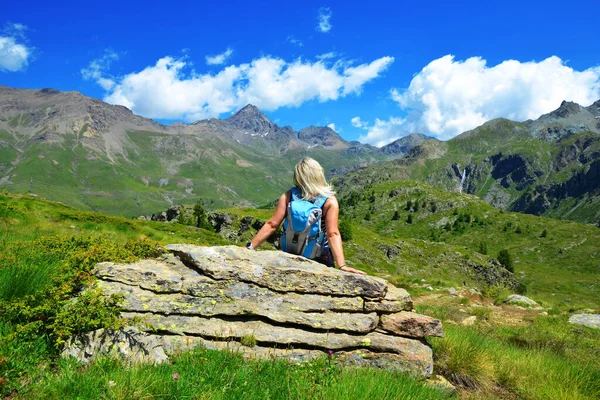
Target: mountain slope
point(93, 155)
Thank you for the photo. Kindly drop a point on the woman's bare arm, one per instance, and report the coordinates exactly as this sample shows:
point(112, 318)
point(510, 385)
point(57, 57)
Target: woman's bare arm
point(331, 210)
point(273, 223)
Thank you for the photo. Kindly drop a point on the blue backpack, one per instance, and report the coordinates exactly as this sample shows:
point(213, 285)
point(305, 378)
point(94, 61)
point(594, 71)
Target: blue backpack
point(302, 232)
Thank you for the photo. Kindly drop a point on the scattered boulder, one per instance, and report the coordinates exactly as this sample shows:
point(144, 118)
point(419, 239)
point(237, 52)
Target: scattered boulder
point(469, 321)
point(390, 252)
point(411, 324)
point(521, 301)
point(263, 304)
point(589, 320)
point(452, 291)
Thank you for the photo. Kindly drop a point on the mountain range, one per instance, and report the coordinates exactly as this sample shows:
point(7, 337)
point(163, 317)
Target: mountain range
point(93, 155)
point(85, 152)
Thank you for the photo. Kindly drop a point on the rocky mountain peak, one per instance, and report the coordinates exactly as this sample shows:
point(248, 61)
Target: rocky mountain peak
point(566, 109)
point(404, 144)
point(252, 119)
point(321, 135)
point(570, 118)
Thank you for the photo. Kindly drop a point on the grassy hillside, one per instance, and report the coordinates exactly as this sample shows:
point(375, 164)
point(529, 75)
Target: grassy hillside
point(556, 260)
point(49, 248)
point(47, 251)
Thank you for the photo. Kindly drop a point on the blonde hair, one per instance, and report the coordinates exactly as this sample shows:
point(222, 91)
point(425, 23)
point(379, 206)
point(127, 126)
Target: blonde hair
point(309, 176)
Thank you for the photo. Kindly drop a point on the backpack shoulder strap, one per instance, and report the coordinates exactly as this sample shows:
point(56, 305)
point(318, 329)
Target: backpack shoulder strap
point(296, 193)
point(321, 199)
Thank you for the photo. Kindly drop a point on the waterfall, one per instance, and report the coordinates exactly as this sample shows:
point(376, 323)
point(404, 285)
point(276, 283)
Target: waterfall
point(462, 180)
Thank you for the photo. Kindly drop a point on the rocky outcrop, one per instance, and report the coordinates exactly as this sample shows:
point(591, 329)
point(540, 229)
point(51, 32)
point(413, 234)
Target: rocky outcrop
point(262, 304)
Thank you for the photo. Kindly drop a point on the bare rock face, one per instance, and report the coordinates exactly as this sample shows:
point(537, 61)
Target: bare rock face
point(264, 304)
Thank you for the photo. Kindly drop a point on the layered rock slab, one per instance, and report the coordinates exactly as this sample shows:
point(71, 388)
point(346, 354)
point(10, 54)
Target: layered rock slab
point(269, 305)
point(278, 271)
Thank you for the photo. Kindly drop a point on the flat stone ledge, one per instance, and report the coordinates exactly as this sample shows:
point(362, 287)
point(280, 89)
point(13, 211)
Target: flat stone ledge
point(278, 271)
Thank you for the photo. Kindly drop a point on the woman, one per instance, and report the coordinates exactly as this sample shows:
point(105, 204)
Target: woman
point(310, 180)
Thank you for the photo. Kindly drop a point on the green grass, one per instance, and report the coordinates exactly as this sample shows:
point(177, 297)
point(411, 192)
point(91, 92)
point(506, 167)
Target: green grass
point(545, 359)
point(205, 374)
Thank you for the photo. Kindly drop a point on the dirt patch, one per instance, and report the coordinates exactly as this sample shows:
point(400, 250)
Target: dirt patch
point(243, 163)
point(504, 314)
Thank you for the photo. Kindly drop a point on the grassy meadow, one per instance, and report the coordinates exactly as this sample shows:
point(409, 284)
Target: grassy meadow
point(48, 251)
point(509, 352)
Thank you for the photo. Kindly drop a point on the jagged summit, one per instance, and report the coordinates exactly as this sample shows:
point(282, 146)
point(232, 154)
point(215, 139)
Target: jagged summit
point(252, 119)
point(566, 109)
point(570, 118)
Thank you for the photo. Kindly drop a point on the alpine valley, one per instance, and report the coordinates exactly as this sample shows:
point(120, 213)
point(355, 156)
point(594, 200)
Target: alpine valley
point(81, 151)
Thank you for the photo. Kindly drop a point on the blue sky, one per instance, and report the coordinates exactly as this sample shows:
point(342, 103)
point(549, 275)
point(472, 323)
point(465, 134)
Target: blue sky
point(375, 70)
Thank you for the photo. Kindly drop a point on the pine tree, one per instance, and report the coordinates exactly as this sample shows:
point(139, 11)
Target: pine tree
point(505, 259)
point(345, 228)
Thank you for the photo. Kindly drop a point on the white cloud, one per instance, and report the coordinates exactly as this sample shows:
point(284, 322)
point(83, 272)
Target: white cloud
point(332, 127)
point(219, 59)
point(295, 41)
point(165, 91)
point(358, 123)
point(324, 16)
point(448, 97)
point(97, 70)
point(383, 132)
point(14, 53)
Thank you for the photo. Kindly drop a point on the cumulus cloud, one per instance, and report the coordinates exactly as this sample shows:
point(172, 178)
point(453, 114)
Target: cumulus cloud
point(14, 52)
point(219, 59)
point(97, 70)
point(166, 91)
point(324, 17)
point(448, 97)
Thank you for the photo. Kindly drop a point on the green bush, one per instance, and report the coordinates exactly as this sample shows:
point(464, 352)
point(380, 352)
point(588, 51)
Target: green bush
point(50, 311)
point(482, 248)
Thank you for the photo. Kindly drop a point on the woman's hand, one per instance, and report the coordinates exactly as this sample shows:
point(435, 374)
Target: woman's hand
point(352, 270)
